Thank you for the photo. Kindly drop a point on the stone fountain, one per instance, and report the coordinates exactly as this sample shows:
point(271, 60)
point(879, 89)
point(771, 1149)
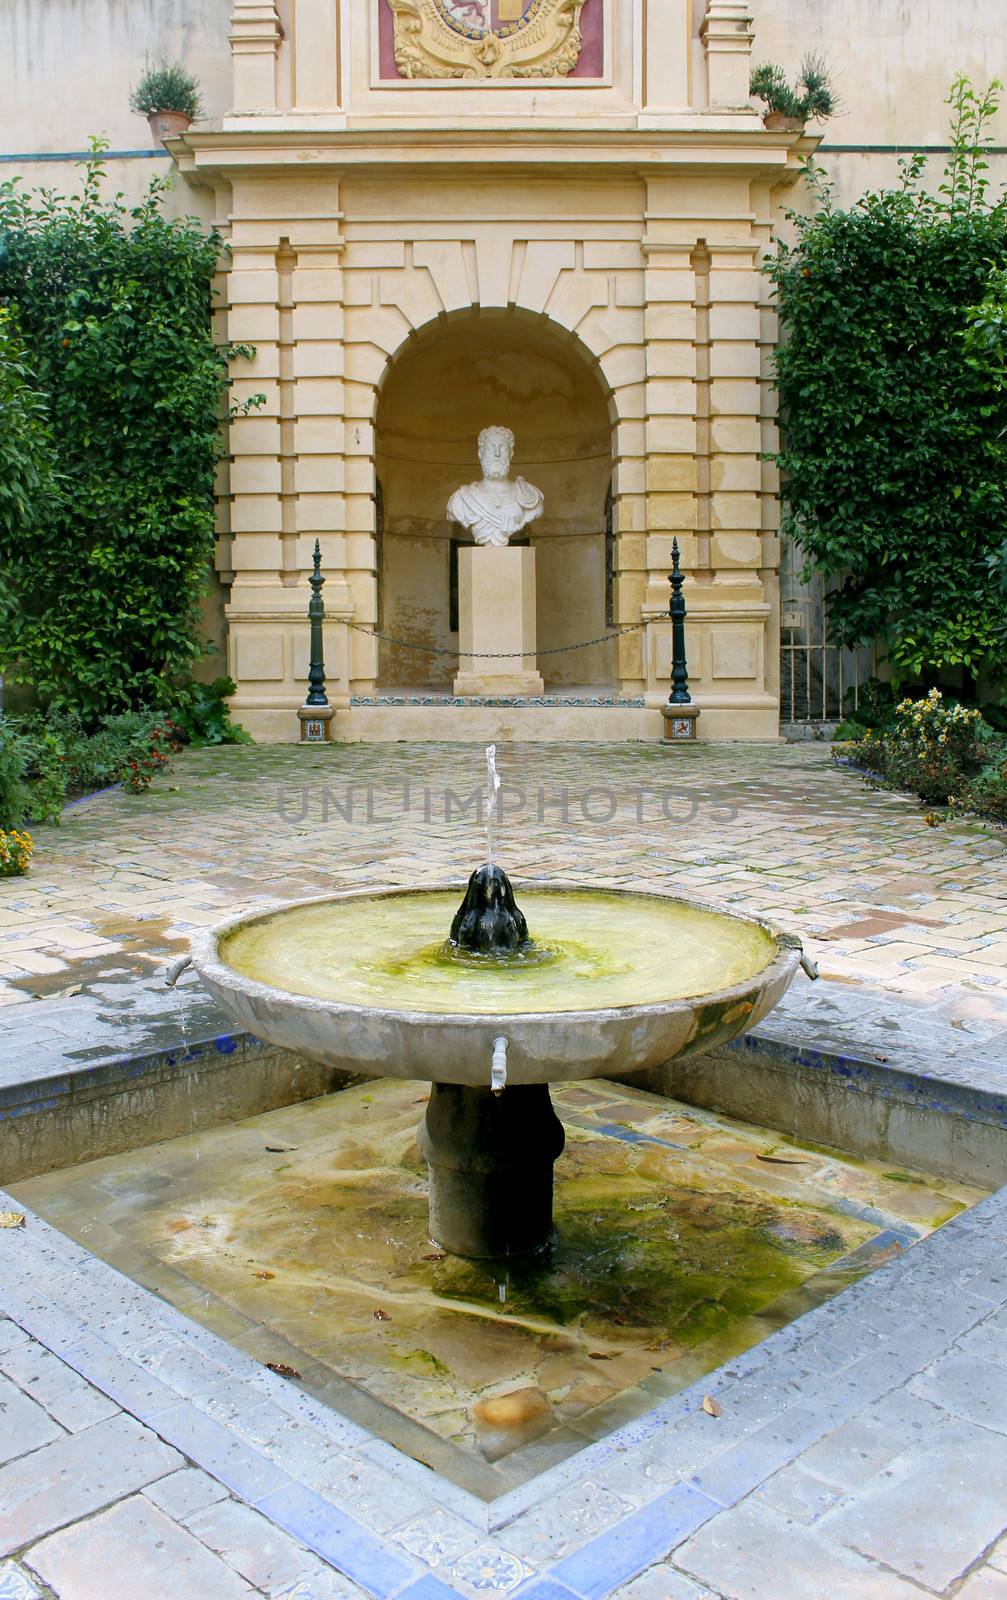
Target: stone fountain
point(606, 983)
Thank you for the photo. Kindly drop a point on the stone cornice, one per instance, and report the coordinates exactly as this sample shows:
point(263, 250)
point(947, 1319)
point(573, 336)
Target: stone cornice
point(742, 145)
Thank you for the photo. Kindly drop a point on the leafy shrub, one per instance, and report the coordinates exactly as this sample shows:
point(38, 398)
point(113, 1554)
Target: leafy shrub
point(931, 745)
point(15, 852)
point(894, 452)
point(25, 441)
point(986, 793)
point(167, 87)
point(101, 579)
point(203, 717)
point(42, 762)
point(14, 752)
point(942, 751)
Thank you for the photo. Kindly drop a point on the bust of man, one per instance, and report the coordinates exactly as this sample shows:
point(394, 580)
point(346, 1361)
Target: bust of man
point(498, 507)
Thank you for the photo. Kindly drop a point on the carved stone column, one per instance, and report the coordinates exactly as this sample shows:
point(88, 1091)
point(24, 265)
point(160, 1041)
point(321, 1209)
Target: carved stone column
point(726, 32)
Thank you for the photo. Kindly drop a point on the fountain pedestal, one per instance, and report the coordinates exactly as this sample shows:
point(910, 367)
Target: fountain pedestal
point(491, 1162)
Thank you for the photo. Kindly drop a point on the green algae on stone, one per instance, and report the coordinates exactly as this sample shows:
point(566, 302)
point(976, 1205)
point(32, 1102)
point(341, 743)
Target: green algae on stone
point(677, 1250)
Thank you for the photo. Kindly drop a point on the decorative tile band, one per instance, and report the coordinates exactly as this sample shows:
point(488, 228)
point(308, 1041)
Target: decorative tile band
point(506, 701)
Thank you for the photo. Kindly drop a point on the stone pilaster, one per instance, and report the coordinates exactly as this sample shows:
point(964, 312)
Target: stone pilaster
point(667, 61)
point(255, 38)
point(726, 33)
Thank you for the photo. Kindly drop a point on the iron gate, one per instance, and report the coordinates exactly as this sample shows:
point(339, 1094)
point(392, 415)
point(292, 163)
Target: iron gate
point(816, 674)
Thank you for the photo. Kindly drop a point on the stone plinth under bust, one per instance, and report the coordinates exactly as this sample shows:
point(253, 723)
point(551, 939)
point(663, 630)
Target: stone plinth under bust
point(496, 612)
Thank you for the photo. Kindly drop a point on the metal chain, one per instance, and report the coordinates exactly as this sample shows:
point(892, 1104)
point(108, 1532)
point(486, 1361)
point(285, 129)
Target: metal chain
point(494, 655)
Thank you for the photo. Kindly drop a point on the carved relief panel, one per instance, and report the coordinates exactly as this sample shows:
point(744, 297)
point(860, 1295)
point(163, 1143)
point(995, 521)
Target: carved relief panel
point(493, 38)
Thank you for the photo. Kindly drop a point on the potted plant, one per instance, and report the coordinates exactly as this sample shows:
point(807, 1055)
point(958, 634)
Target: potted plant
point(168, 97)
point(788, 107)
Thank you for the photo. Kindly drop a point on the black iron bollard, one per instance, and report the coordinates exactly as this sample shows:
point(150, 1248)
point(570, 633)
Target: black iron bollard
point(680, 715)
point(316, 713)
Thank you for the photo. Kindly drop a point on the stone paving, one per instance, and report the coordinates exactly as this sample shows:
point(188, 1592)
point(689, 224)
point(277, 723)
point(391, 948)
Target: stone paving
point(880, 897)
point(859, 1455)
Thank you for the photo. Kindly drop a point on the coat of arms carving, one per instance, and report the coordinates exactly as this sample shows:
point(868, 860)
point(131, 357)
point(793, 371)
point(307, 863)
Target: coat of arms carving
point(487, 38)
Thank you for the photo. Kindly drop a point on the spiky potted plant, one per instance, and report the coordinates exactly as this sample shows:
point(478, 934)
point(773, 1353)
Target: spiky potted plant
point(790, 106)
point(168, 97)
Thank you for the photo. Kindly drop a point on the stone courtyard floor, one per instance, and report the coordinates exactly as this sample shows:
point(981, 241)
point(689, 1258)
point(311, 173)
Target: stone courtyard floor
point(880, 897)
point(861, 1453)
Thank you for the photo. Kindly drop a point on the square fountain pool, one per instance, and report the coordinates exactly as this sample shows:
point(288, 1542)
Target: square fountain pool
point(299, 1236)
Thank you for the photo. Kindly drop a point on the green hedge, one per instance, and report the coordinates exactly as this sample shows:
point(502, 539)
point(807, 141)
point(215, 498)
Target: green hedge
point(893, 454)
point(105, 558)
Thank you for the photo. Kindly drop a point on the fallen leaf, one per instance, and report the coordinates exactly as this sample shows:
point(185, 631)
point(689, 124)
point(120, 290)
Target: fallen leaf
point(600, 1355)
point(12, 1219)
point(282, 1370)
point(59, 994)
point(785, 1161)
point(381, 1316)
point(712, 1407)
point(177, 1227)
point(280, 1149)
point(263, 1274)
point(662, 1344)
point(436, 1255)
point(881, 1058)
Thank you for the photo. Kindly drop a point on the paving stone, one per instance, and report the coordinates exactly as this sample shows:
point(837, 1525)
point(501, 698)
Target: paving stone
point(134, 1538)
point(987, 1340)
point(935, 1510)
point(858, 1449)
point(24, 1425)
point(183, 1493)
point(11, 1335)
point(798, 1494)
point(751, 1553)
point(15, 1583)
point(986, 1584)
point(321, 1583)
point(77, 1474)
point(664, 1583)
point(967, 1386)
point(73, 1402)
point(257, 1549)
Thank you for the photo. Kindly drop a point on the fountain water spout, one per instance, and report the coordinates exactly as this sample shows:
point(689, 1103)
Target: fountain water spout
point(174, 970)
point(498, 1066)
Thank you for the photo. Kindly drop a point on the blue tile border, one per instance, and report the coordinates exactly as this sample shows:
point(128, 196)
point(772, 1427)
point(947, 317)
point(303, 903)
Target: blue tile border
point(544, 1589)
point(428, 1587)
point(342, 1542)
point(617, 1555)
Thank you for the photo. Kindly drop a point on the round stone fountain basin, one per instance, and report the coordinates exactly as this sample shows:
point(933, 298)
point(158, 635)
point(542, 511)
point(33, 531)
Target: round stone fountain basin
point(615, 982)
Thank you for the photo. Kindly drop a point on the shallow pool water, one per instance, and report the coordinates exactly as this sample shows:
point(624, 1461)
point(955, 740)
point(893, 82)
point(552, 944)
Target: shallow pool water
point(590, 951)
point(301, 1237)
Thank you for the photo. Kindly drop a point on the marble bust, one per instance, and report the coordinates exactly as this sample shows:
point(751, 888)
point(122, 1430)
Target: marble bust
point(498, 507)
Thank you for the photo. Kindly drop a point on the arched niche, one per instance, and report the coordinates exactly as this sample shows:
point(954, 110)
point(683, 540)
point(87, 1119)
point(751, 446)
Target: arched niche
point(450, 380)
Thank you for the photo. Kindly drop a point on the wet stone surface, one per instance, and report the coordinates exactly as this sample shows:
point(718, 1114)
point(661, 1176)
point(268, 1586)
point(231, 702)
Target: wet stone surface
point(301, 1237)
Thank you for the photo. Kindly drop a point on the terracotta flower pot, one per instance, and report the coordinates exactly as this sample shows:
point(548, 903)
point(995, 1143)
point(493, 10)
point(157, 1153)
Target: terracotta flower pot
point(777, 122)
point(168, 124)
